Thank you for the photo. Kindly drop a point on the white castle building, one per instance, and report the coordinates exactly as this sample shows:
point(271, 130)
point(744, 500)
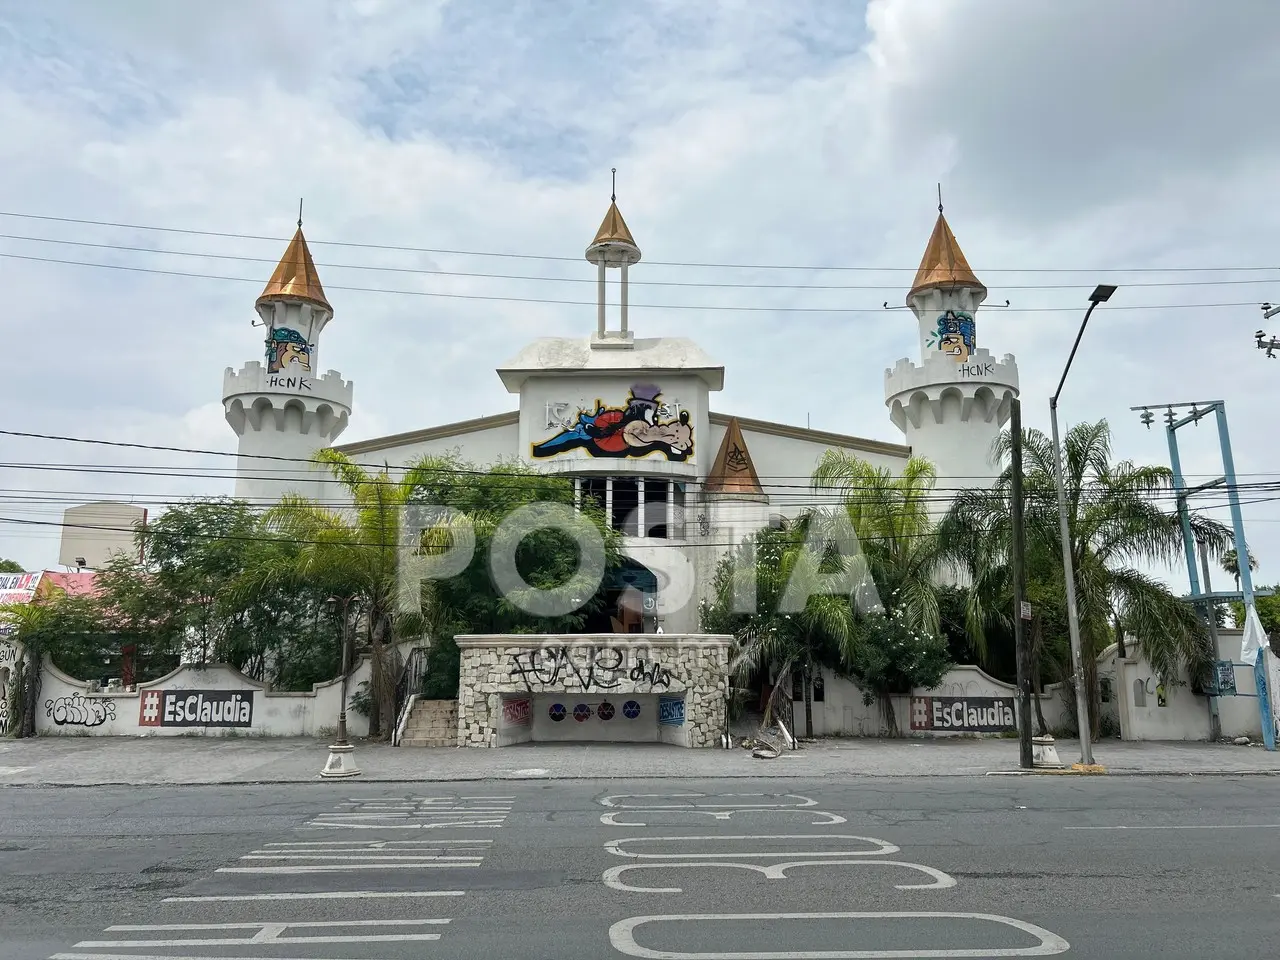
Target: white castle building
point(630, 419)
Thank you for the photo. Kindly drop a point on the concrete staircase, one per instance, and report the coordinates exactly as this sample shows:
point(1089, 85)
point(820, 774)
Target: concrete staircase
point(431, 723)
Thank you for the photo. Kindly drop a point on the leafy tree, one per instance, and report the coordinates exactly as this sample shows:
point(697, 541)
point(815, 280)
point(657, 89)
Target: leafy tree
point(47, 626)
point(11, 566)
point(891, 656)
point(547, 559)
point(772, 565)
point(1115, 523)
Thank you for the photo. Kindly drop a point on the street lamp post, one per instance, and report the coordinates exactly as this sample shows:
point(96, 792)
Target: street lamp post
point(341, 763)
point(1101, 294)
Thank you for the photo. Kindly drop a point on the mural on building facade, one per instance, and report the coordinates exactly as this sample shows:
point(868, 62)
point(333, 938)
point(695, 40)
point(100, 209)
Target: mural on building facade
point(955, 335)
point(286, 346)
point(642, 426)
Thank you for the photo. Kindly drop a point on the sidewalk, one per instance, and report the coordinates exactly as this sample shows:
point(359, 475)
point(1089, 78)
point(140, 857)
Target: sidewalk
point(96, 761)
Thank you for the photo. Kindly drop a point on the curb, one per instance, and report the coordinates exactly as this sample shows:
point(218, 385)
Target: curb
point(316, 781)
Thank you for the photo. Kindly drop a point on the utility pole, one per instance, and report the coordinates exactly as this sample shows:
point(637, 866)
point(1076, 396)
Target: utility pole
point(1211, 615)
point(1017, 563)
point(1173, 422)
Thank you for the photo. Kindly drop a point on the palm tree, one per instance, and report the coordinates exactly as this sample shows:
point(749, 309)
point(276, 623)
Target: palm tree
point(1231, 564)
point(1115, 523)
point(894, 519)
point(353, 553)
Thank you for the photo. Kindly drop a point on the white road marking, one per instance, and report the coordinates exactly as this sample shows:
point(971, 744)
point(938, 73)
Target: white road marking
point(468, 842)
point(615, 847)
point(343, 867)
point(531, 772)
point(612, 801)
point(327, 895)
point(10, 771)
point(777, 871)
point(265, 933)
point(1192, 826)
point(371, 858)
point(608, 819)
point(153, 956)
point(622, 937)
point(460, 825)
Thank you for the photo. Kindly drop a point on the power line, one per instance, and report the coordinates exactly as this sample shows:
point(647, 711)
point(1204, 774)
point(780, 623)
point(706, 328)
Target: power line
point(731, 308)
point(578, 259)
point(423, 271)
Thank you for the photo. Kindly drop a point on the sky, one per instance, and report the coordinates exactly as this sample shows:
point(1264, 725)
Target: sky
point(1075, 143)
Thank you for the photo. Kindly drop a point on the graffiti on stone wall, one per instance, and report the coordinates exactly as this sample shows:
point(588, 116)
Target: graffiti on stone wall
point(587, 669)
point(955, 335)
point(641, 426)
point(77, 711)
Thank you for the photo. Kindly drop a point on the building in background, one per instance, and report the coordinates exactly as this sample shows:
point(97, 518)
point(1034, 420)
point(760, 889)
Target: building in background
point(629, 420)
point(93, 533)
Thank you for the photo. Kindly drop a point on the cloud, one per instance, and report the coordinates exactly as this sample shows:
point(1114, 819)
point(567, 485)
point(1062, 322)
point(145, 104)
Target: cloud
point(1103, 137)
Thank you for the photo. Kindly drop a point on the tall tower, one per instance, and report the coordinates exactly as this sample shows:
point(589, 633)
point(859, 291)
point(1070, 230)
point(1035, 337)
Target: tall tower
point(953, 404)
point(277, 406)
point(612, 249)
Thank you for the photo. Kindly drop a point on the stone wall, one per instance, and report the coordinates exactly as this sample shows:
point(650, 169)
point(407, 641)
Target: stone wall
point(432, 723)
point(686, 675)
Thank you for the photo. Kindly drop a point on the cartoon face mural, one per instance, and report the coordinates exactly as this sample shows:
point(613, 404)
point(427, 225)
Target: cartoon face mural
point(955, 335)
point(634, 430)
point(286, 346)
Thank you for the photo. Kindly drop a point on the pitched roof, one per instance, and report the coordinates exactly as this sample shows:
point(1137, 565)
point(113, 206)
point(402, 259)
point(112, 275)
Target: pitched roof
point(733, 470)
point(296, 276)
point(613, 229)
point(943, 264)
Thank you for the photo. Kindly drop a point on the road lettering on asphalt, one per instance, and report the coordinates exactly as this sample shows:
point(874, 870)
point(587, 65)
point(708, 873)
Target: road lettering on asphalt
point(717, 801)
point(777, 871)
point(417, 813)
point(322, 895)
point(320, 856)
point(264, 932)
point(610, 819)
point(881, 847)
point(622, 938)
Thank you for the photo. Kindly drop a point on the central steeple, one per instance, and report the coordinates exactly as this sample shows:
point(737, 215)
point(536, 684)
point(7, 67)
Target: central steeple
point(612, 249)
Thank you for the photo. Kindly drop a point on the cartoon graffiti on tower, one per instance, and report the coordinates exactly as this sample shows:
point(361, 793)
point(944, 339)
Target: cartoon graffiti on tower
point(634, 430)
point(286, 346)
point(955, 335)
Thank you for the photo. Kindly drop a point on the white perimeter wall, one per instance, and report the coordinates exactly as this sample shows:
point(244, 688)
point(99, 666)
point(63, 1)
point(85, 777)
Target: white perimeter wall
point(66, 708)
point(1185, 716)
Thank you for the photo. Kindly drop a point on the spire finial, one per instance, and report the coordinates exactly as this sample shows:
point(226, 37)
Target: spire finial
point(939, 198)
point(299, 213)
point(613, 192)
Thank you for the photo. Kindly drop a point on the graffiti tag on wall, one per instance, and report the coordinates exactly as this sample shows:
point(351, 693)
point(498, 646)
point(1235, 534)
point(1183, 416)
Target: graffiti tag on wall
point(599, 668)
point(642, 426)
point(76, 711)
point(955, 335)
point(8, 667)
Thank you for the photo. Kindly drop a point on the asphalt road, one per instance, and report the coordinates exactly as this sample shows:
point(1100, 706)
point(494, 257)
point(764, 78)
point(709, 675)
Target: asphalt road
point(1100, 868)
